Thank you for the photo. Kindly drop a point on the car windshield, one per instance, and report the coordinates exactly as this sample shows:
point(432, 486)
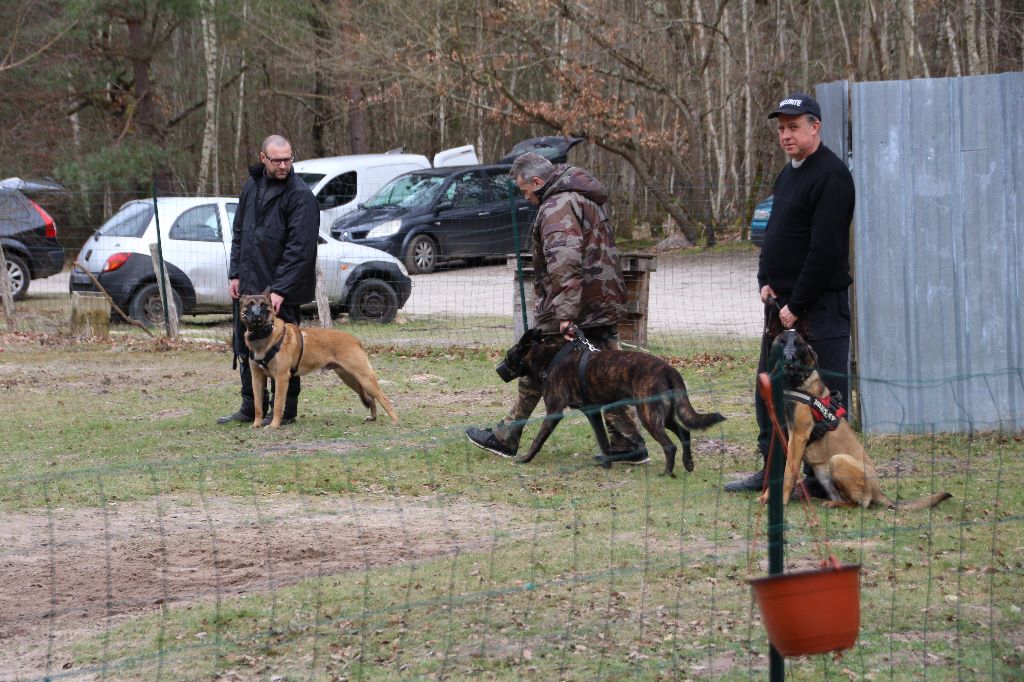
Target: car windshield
point(131, 221)
point(415, 189)
point(311, 178)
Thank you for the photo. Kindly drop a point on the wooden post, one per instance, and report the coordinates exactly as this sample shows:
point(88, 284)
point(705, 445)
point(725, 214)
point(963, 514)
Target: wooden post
point(5, 292)
point(166, 294)
point(323, 307)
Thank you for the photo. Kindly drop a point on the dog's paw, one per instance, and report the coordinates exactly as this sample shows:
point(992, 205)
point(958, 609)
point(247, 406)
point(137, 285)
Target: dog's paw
point(666, 472)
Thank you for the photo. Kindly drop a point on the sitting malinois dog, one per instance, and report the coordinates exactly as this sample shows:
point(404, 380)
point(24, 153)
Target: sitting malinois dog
point(839, 460)
point(574, 376)
point(280, 350)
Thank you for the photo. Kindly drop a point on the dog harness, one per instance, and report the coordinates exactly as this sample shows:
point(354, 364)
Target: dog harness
point(826, 415)
point(583, 345)
point(272, 351)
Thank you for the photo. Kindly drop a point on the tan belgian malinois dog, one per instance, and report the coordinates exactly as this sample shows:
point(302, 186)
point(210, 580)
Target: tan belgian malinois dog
point(839, 460)
point(279, 350)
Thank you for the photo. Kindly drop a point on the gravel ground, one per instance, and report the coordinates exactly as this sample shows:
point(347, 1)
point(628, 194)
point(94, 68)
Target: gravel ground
point(708, 294)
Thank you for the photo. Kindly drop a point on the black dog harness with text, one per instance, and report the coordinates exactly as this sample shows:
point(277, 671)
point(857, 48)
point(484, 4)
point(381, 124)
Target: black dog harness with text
point(826, 411)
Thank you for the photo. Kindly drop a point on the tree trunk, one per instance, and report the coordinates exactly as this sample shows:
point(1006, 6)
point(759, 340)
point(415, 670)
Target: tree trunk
point(208, 158)
point(140, 55)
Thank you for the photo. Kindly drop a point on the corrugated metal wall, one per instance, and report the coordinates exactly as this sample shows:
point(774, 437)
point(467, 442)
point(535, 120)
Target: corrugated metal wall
point(939, 251)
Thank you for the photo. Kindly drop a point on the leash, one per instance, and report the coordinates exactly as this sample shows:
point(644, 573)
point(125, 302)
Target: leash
point(824, 547)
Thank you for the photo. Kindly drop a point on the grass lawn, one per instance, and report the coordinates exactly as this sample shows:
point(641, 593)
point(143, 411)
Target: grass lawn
point(142, 541)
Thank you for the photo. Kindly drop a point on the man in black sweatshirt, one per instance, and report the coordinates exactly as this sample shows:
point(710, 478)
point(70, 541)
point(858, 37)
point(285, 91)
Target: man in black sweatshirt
point(805, 257)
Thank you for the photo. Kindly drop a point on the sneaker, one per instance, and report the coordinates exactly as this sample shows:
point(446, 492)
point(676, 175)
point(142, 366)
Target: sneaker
point(485, 438)
point(633, 457)
point(752, 483)
point(236, 417)
point(284, 420)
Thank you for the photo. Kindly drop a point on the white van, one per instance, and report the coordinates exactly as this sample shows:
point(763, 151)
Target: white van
point(341, 183)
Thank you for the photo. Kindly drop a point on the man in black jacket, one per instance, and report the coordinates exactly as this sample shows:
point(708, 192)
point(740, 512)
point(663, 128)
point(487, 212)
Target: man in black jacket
point(805, 257)
point(273, 245)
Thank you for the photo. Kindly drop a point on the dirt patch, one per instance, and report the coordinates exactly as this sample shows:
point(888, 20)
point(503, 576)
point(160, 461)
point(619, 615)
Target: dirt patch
point(72, 574)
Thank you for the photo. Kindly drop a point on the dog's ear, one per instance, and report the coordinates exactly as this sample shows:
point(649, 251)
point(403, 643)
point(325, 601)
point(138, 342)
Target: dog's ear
point(531, 337)
point(266, 293)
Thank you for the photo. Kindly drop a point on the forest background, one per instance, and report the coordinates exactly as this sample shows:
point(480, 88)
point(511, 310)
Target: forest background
point(110, 96)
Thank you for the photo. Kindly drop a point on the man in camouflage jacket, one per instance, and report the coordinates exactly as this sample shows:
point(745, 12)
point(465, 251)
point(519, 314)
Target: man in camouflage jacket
point(577, 280)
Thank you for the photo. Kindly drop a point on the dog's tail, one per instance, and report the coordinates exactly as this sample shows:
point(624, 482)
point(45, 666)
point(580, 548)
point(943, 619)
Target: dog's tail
point(921, 503)
point(689, 417)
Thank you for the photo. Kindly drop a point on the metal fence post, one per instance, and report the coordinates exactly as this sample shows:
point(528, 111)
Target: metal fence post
point(519, 255)
point(776, 512)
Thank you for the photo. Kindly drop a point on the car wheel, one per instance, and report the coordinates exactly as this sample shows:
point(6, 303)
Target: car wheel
point(147, 308)
point(19, 274)
point(421, 256)
point(373, 300)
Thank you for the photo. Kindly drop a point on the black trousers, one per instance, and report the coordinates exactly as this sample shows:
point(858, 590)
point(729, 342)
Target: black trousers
point(829, 336)
point(288, 313)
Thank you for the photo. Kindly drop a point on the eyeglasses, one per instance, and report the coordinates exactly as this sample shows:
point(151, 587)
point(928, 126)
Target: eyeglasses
point(279, 162)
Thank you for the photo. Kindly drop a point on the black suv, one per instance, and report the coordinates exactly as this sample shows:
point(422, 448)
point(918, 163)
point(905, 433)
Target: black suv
point(29, 238)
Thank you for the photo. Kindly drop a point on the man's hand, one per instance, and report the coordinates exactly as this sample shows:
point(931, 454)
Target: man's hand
point(568, 328)
point(767, 291)
point(233, 287)
point(277, 300)
point(787, 318)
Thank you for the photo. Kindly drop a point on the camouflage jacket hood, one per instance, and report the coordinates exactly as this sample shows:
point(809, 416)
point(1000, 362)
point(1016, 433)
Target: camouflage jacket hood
point(576, 264)
point(572, 179)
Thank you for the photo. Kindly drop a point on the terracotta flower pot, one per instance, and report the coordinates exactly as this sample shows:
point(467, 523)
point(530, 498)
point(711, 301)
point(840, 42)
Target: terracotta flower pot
point(810, 612)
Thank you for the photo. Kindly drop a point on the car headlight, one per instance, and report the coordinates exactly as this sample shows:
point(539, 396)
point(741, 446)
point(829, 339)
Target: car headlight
point(401, 266)
point(762, 214)
point(384, 229)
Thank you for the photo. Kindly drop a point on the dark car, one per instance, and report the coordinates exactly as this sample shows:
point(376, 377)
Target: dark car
point(469, 213)
point(29, 238)
point(759, 223)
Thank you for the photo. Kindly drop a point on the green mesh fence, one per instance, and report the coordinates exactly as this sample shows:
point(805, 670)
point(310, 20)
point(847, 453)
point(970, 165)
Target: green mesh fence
point(141, 541)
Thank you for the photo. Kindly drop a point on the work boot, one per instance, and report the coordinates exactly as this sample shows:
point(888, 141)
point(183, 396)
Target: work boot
point(485, 439)
point(813, 487)
point(752, 483)
point(633, 457)
point(240, 416)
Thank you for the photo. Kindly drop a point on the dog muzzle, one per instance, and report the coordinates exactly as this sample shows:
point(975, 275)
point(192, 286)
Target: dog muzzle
point(510, 367)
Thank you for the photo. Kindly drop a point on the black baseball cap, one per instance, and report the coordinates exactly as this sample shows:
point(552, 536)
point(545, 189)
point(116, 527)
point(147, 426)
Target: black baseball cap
point(797, 103)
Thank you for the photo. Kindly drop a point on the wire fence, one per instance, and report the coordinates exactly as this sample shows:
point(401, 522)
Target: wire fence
point(140, 543)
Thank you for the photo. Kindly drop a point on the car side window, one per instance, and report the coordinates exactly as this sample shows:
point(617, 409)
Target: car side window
point(198, 224)
point(501, 187)
point(467, 190)
point(339, 191)
point(231, 210)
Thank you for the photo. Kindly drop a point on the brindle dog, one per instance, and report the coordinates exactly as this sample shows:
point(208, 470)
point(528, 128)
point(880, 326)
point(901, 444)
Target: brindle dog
point(839, 460)
point(609, 376)
point(279, 349)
